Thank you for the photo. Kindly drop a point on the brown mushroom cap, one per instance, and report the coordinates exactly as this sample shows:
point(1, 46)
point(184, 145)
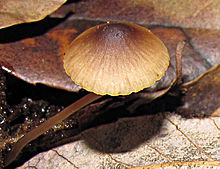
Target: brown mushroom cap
point(116, 59)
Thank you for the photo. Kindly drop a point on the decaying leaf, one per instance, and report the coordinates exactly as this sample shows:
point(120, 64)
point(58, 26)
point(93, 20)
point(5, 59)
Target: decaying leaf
point(138, 141)
point(37, 60)
point(202, 95)
point(206, 42)
point(191, 13)
point(20, 11)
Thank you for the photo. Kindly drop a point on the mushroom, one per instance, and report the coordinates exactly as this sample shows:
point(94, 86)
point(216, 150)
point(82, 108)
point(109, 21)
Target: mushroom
point(108, 59)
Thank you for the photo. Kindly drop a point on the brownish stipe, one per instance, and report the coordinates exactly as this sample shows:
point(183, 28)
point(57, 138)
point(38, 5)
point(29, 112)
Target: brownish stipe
point(59, 117)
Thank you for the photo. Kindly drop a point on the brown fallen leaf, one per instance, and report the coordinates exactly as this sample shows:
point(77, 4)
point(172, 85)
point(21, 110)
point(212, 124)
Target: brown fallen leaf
point(202, 95)
point(20, 11)
point(206, 42)
point(191, 13)
point(37, 60)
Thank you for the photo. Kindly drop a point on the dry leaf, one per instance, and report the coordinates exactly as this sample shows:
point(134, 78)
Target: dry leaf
point(138, 141)
point(37, 60)
point(191, 13)
point(20, 11)
point(206, 42)
point(202, 95)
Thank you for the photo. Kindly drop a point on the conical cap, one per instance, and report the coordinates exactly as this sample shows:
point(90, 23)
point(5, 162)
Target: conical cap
point(116, 59)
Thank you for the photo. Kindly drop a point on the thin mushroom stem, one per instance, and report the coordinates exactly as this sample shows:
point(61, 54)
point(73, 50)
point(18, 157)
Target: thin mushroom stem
point(59, 117)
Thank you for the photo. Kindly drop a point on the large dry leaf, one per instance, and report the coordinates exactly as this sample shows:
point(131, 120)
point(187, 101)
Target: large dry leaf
point(202, 95)
point(20, 11)
point(153, 141)
point(191, 13)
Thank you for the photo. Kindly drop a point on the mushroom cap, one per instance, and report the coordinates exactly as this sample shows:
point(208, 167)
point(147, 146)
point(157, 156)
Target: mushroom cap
point(116, 59)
